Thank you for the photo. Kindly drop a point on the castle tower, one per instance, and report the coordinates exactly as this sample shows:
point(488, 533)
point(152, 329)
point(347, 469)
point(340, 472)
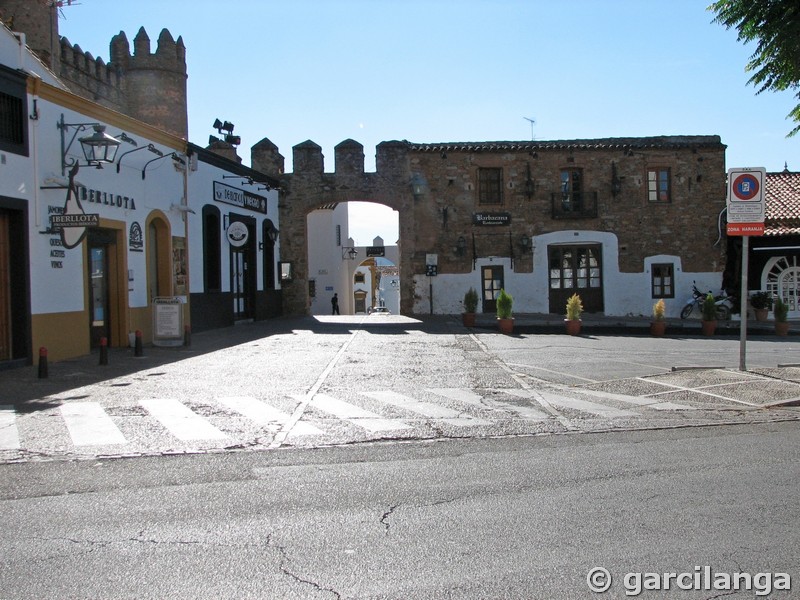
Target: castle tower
point(155, 83)
point(39, 22)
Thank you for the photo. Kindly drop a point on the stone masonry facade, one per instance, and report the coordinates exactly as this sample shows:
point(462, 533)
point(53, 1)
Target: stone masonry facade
point(615, 195)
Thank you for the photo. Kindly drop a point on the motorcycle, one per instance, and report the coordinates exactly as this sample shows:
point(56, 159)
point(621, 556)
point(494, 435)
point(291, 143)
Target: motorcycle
point(723, 302)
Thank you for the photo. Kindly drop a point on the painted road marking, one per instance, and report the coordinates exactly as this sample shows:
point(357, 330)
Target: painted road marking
point(589, 407)
point(9, 434)
point(180, 421)
point(362, 417)
point(265, 415)
point(427, 409)
point(470, 397)
point(90, 425)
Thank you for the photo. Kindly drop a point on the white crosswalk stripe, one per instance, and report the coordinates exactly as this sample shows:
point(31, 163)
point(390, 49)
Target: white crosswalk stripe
point(180, 421)
point(427, 409)
point(90, 425)
point(470, 397)
point(357, 415)
point(600, 410)
point(9, 434)
point(265, 415)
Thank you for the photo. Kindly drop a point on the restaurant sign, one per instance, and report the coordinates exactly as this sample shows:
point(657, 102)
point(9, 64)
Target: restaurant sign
point(498, 218)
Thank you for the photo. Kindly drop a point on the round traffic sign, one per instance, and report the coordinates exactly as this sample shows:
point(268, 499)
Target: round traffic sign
point(745, 187)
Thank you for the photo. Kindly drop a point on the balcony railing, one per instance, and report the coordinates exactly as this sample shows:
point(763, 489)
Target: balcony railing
point(581, 205)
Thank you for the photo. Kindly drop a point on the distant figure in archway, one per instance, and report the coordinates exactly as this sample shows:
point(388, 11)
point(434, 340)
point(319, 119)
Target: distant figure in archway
point(335, 304)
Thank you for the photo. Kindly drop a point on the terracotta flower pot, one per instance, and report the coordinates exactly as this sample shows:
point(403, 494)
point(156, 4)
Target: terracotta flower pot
point(761, 314)
point(506, 325)
point(468, 319)
point(781, 327)
point(709, 327)
point(573, 326)
point(657, 328)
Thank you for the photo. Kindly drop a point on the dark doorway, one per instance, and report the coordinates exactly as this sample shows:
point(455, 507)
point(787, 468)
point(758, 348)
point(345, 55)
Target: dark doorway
point(493, 280)
point(576, 269)
point(243, 271)
point(101, 247)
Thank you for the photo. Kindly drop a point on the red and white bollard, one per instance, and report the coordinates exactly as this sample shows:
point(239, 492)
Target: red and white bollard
point(42, 363)
point(103, 351)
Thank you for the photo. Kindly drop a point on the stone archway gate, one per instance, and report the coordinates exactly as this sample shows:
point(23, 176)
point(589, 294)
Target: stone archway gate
point(309, 188)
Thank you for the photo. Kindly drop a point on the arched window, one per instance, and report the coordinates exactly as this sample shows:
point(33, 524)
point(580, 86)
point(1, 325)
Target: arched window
point(159, 259)
point(212, 252)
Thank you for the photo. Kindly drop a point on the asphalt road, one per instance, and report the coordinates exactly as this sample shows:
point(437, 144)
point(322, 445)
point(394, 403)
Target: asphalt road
point(522, 517)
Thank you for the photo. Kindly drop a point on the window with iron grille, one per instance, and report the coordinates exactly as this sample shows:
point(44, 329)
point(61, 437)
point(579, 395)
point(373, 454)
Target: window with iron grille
point(13, 112)
point(662, 278)
point(572, 190)
point(490, 186)
point(658, 185)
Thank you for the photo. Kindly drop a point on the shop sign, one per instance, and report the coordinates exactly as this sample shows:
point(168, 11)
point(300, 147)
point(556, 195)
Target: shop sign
point(376, 251)
point(236, 197)
point(79, 220)
point(499, 218)
point(237, 234)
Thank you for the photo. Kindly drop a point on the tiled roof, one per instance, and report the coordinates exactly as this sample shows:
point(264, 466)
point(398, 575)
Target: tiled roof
point(782, 203)
point(640, 143)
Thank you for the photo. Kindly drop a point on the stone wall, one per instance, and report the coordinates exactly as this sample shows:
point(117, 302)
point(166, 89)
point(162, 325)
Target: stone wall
point(614, 171)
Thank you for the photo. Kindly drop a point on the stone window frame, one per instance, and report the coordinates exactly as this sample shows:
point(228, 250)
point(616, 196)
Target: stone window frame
point(658, 287)
point(655, 193)
point(490, 186)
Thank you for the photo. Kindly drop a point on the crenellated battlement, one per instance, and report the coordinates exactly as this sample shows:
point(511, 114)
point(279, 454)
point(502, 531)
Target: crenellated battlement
point(150, 86)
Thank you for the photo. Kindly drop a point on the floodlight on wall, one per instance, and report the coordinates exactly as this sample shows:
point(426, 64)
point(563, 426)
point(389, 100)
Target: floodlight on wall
point(150, 147)
point(98, 148)
point(247, 180)
point(225, 126)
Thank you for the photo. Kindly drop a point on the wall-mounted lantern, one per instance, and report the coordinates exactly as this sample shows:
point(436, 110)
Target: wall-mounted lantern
point(98, 148)
point(461, 246)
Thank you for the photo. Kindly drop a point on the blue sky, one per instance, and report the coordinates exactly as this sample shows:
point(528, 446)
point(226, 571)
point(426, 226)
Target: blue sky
point(455, 71)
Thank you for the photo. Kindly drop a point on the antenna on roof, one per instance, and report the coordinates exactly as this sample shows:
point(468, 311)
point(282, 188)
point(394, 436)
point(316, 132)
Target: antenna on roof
point(533, 122)
point(59, 4)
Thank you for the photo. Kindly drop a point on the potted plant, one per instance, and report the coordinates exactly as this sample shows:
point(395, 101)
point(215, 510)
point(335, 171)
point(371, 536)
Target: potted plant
point(574, 311)
point(504, 318)
point(709, 309)
point(470, 306)
point(658, 325)
point(761, 303)
point(781, 314)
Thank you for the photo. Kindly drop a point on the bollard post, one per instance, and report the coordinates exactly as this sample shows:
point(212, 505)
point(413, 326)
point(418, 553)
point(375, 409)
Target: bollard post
point(137, 349)
point(187, 335)
point(103, 351)
point(42, 363)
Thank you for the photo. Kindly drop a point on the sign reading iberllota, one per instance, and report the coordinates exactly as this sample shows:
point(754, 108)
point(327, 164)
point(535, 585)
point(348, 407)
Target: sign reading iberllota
point(745, 202)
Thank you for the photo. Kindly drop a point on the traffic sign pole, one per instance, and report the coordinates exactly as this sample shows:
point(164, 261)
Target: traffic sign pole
point(746, 211)
point(743, 304)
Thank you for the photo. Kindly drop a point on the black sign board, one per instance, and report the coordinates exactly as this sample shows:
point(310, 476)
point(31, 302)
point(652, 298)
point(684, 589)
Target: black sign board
point(376, 251)
point(498, 218)
point(236, 197)
point(431, 270)
point(75, 220)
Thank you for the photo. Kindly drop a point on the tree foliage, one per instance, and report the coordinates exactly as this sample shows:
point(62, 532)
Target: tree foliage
point(774, 25)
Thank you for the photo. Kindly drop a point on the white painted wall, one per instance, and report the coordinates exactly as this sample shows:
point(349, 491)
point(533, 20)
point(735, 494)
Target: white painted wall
point(325, 263)
point(624, 293)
